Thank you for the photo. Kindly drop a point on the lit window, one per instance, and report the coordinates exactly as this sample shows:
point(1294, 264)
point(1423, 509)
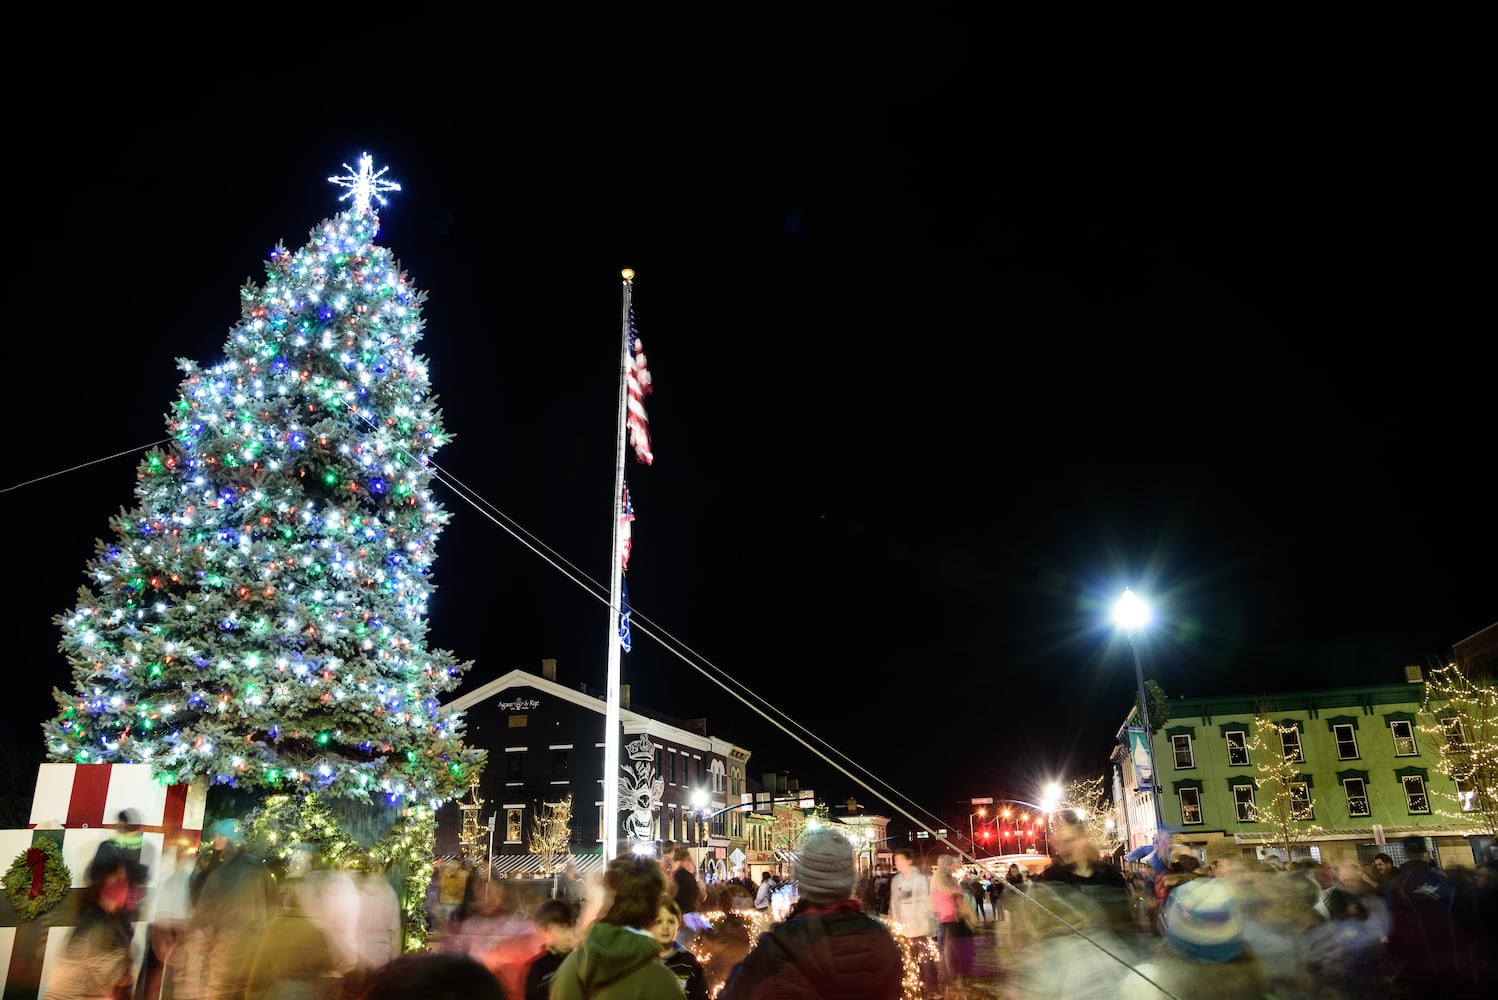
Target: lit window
point(1191, 806)
point(1414, 793)
point(1456, 736)
point(1290, 743)
point(1404, 738)
point(1357, 796)
point(1466, 794)
point(1243, 799)
point(1347, 741)
point(512, 826)
point(1182, 746)
point(1237, 748)
point(1301, 807)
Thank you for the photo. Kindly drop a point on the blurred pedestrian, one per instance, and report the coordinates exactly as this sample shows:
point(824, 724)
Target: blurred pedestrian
point(910, 915)
point(1425, 942)
point(618, 956)
point(687, 892)
point(452, 879)
point(127, 846)
point(293, 960)
point(97, 962)
point(995, 884)
point(955, 923)
point(237, 900)
point(827, 947)
point(556, 920)
point(762, 895)
point(432, 976)
point(1203, 954)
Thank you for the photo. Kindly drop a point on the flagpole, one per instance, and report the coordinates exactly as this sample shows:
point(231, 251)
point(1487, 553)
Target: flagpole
point(611, 724)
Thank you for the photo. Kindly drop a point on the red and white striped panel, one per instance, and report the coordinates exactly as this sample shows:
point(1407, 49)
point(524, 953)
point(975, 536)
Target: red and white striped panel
point(84, 800)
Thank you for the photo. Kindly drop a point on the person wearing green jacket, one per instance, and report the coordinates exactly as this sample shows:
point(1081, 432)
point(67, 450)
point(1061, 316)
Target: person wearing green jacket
point(618, 957)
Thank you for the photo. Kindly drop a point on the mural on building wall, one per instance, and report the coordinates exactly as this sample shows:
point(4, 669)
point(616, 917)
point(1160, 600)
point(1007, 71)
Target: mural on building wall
point(640, 790)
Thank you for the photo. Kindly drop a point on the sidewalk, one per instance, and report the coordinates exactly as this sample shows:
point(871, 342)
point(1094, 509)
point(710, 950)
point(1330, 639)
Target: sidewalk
point(994, 949)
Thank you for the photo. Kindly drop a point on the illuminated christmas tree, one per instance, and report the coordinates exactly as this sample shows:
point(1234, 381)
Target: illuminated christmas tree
point(258, 619)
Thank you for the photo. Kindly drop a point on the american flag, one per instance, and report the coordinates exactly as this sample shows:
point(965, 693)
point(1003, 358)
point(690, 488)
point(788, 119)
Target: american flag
point(640, 385)
point(626, 515)
point(623, 615)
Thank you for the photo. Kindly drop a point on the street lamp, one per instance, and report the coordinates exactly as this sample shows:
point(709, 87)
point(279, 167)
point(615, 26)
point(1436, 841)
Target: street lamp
point(1131, 613)
point(982, 811)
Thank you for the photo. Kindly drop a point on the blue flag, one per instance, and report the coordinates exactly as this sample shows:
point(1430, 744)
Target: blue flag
point(623, 615)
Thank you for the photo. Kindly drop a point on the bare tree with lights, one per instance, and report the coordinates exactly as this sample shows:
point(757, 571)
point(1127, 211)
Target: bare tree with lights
point(258, 619)
point(551, 835)
point(787, 823)
point(1283, 800)
point(1462, 705)
point(1090, 797)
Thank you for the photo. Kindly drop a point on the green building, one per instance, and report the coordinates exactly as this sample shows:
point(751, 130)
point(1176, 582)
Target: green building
point(1363, 773)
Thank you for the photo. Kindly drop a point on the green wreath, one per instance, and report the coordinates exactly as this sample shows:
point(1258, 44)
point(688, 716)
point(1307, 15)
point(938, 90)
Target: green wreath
point(37, 879)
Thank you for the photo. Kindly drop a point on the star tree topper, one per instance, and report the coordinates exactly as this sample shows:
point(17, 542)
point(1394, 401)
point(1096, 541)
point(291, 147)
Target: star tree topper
point(365, 184)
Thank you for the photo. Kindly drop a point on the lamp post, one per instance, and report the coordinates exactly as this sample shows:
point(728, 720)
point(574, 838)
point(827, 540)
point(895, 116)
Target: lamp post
point(973, 844)
point(1131, 613)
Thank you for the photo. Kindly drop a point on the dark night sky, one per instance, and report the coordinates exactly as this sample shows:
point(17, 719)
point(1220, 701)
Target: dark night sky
point(945, 356)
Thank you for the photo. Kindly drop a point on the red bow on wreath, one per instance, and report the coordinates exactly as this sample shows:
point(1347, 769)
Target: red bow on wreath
point(36, 860)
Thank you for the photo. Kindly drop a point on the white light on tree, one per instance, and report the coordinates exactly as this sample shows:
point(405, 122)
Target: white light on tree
point(364, 184)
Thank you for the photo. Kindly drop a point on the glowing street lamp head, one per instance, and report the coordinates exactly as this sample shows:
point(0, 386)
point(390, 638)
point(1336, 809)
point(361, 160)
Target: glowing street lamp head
point(1131, 613)
point(699, 800)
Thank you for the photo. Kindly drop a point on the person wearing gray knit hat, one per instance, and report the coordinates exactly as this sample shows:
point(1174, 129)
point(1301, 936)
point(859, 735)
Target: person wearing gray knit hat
point(824, 867)
point(827, 946)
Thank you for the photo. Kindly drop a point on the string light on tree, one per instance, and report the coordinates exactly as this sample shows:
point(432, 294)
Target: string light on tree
point(364, 184)
point(258, 618)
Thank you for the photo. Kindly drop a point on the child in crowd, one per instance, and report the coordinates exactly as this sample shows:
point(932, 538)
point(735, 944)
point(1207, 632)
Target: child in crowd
point(682, 963)
point(556, 920)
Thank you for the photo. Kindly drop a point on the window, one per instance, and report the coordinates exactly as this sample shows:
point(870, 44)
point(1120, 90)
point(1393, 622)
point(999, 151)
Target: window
point(1466, 794)
point(512, 826)
point(1357, 796)
point(1456, 737)
point(1243, 799)
point(514, 767)
point(1290, 742)
point(1301, 807)
point(1347, 741)
point(1414, 793)
point(1404, 738)
point(1191, 806)
point(1182, 747)
point(559, 764)
point(1237, 747)
point(719, 777)
point(671, 774)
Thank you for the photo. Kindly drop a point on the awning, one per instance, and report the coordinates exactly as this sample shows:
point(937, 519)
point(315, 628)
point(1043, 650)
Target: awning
point(529, 865)
point(1140, 853)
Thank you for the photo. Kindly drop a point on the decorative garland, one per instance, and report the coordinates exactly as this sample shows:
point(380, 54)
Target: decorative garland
point(281, 823)
point(37, 879)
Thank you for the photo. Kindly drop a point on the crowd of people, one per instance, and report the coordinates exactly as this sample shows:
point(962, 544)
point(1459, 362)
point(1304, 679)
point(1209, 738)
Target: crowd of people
point(646, 927)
